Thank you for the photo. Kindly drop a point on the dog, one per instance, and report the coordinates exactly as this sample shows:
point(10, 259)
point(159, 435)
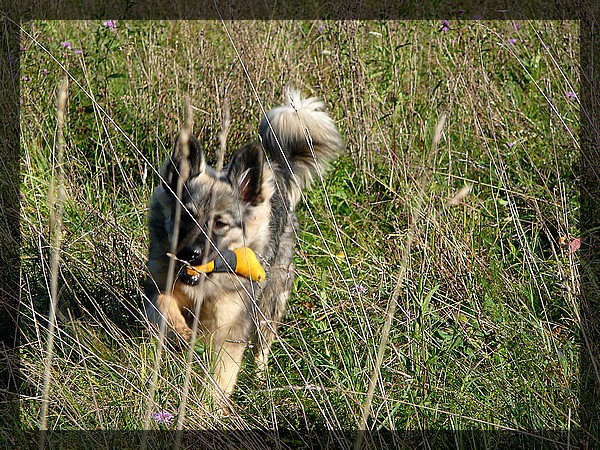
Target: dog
point(248, 205)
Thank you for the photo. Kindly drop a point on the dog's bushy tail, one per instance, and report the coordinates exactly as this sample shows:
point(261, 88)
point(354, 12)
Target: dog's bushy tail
point(302, 138)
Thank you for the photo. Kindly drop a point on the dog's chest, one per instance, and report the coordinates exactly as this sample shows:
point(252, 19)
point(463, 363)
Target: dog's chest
point(223, 305)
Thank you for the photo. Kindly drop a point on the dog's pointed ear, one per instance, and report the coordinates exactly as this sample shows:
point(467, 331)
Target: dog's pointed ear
point(173, 167)
point(245, 173)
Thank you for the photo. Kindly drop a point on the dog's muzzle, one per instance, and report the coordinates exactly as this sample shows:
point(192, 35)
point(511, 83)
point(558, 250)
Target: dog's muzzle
point(190, 257)
point(185, 277)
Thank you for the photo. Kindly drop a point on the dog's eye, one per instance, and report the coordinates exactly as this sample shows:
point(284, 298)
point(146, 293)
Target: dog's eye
point(218, 224)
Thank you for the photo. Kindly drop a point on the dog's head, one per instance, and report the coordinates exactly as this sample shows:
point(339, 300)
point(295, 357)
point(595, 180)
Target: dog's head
point(221, 210)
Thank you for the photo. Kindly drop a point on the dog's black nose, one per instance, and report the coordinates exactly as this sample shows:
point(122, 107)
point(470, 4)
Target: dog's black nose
point(190, 254)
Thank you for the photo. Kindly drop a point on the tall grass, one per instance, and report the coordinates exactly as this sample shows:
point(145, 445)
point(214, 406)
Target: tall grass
point(484, 335)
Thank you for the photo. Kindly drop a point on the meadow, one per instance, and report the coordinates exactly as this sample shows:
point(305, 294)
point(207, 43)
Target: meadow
point(438, 260)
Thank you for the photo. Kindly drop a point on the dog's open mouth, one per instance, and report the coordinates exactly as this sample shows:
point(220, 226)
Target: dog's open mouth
point(190, 272)
point(191, 267)
point(186, 277)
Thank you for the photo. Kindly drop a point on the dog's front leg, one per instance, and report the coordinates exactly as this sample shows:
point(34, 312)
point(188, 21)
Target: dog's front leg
point(171, 307)
point(228, 357)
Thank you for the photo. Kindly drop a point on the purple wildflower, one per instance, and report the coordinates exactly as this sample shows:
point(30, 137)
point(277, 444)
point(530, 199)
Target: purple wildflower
point(512, 41)
point(25, 78)
point(461, 11)
point(445, 26)
point(511, 144)
point(571, 95)
point(66, 45)
point(163, 417)
point(320, 29)
point(78, 52)
point(44, 72)
point(359, 289)
point(517, 25)
point(110, 24)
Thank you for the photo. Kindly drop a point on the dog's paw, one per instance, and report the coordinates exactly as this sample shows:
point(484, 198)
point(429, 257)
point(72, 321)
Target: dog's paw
point(185, 333)
point(180, 337)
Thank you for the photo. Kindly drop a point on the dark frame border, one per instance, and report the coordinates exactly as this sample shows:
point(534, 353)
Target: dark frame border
point(14, 11)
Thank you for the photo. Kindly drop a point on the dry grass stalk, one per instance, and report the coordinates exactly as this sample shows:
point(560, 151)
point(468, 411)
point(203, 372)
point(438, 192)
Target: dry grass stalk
point(184, 171)
point(56, 211)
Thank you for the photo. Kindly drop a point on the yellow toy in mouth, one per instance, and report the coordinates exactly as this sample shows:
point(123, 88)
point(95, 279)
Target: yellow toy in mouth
point(242, 261)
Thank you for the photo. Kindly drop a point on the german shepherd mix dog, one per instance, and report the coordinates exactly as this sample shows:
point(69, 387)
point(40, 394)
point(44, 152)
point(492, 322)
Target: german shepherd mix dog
point(249, 205)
